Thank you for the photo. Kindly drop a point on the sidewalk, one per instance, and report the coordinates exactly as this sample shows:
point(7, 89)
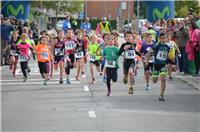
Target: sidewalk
point(193, 81)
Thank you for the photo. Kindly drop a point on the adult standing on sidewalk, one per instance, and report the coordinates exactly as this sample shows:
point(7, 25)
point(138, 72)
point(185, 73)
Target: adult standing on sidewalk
point(104, 26)
point(86, 25)
point(182, 38)
point(66, 24)
point(192, 48)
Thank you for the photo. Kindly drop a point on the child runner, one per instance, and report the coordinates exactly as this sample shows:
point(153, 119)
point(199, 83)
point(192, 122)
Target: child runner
point(171, 64)
point(13, 52)
point(58, 53)
point(160, 51)
point(129, 59)
point(110, 53)
point(24, 57)
point(79, 53)
point(70, 45)
point(44, 56)
point(146, 46)
point(94, 56)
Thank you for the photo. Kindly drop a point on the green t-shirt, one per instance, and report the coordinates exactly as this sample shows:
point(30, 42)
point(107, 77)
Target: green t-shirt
point(92, 49)
point(111, 55)
point(28, 41)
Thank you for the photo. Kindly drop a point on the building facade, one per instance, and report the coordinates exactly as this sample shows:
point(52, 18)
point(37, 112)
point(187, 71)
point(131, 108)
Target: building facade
point(109, 9)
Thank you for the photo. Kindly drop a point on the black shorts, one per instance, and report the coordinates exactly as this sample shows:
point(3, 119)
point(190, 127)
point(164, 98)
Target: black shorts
point(149, 67)
point(16, 56)
point(96, 62)
point(127, 65)
point(171, 62)
point(72, 57)
point(57, 59)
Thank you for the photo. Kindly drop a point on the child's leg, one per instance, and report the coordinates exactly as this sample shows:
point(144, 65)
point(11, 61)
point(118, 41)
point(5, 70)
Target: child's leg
point(15, 66)
point(108, 73)
point(78, 68)
point(61, 64)
point(92, 71)
point(114, 74)
point(163, 84)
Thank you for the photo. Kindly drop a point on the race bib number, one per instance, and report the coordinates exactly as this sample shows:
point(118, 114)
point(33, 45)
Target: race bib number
point(13, 52)
point(151, 59)
point(162, 55)
point(45, 55)
point(58, 52)
point(129, 54)
point(79, 54)
point(111, 64)
point(69, 46)
point(92, 57)
point(23, 58)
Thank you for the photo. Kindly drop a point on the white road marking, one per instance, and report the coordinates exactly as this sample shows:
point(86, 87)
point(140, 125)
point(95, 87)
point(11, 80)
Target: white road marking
point(29, 83)
point(92, 114)
point(34, 71)
point(86, 89)
point(35, 79)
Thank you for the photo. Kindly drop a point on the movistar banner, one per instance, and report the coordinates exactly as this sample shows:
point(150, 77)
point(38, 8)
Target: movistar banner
point(19, 9)
point(159, 9)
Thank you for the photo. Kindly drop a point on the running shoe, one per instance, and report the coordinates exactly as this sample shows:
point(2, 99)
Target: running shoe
point(77, 78)
point(130, 90)
point(93, 81)
point(68, 81)
point(148, 87)
point(61, 81)
point(25, 79)
point(161, 98)
point(170, 78)
point(125, 81)
point(45, 82)
point(108, 93)
point(11, 67)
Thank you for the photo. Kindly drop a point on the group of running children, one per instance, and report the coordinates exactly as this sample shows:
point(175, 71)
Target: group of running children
point(73, 50)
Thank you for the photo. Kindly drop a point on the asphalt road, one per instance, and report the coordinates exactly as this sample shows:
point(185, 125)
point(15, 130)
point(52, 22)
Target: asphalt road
point(80, 106)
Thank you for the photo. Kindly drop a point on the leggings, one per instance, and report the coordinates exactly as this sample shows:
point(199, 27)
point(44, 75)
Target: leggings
point(44, 67)
point(111, 74)
point(24, 67)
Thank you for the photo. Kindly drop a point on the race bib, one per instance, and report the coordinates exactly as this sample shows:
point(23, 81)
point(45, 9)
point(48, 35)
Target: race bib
point(69, 46)
point(23, 58)
point(13, 52)
point(45, 55)
point(162, 55)
point(111, 64)
point(151, 59)
point(92, 57)
point(129, 54)
point(58, 52)
point(79, 54)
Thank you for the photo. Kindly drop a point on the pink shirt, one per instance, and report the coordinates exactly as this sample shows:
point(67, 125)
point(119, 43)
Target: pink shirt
point(24, 48)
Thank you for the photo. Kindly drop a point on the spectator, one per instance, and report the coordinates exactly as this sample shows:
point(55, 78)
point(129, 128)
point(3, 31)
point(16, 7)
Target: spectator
point(66, 24)
point(104, 26)
point(86, 25)
point(74, 25)
point(6, 29)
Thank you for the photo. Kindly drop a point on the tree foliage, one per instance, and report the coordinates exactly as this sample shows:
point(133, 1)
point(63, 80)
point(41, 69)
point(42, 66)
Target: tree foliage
point(181, 7)
point(60, 6)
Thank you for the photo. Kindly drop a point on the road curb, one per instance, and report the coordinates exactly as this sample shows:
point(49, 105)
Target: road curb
point(193, 81)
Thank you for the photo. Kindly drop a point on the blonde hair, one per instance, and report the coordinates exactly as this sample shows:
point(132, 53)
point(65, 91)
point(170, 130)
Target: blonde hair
point(24, 35)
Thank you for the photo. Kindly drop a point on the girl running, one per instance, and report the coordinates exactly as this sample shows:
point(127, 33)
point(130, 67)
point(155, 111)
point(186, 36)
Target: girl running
point(58, 53)
point(94, 56)
point(24, 57)
point(44, 56)
point(13, 52)
point(110, 53)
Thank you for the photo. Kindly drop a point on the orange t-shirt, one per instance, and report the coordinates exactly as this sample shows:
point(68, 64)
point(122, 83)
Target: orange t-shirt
point(43, 51)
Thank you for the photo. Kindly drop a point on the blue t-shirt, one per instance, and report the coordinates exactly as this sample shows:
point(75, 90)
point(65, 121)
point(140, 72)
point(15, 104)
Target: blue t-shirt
point(66, 25)
point(86, 26)
point(5, 31)
point(161, 53)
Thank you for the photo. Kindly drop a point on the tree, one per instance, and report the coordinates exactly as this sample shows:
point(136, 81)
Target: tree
point(181, 7)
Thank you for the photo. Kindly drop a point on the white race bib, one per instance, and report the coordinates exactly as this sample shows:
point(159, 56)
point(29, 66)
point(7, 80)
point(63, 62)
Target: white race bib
point(45, 55)
point(23, 58)
point(151, 59)
point(129, 54)
point(92, 57)
point(111, 64)
point(69, 46)
point(58, 52)
point(79, 54)
point(14, 52)
point(162, 55)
